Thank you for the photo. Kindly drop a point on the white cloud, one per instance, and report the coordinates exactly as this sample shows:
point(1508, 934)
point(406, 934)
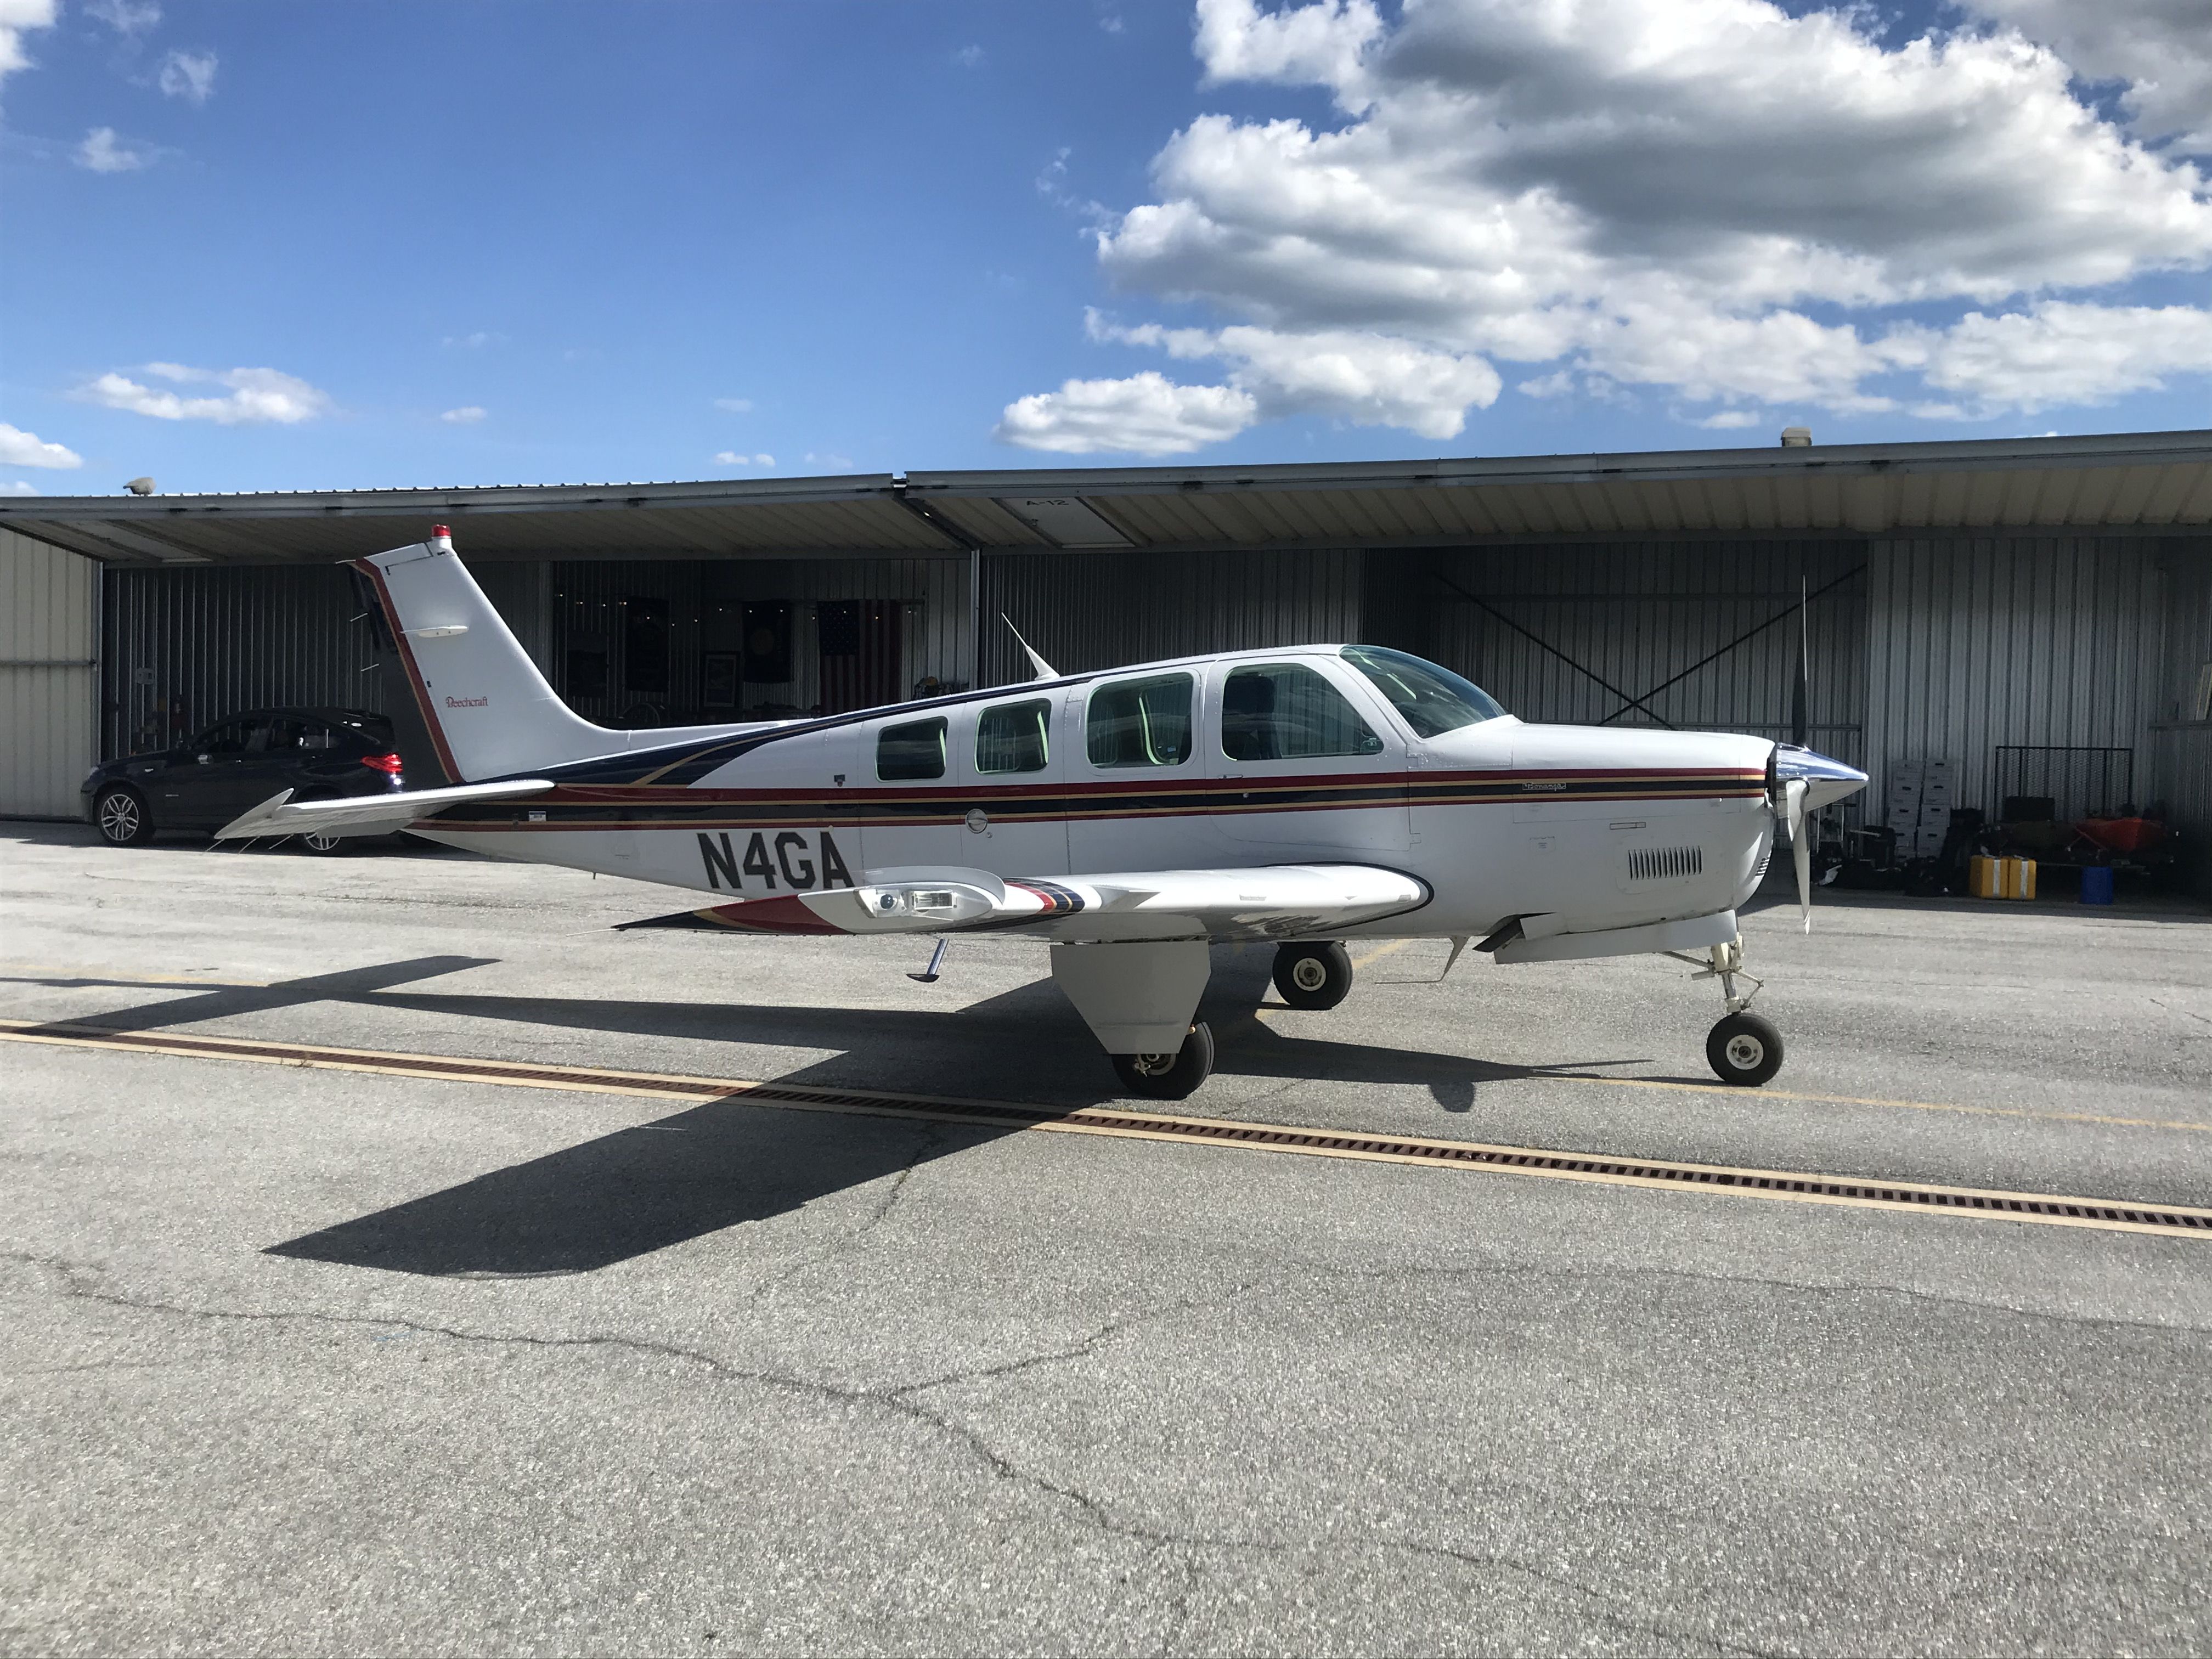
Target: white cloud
point(969, 57)
point(20, 486)
point(1369, 379)
point(21, 449)
point(735, 405)
point(128, 18)
point(16, 16)
point(2060, 353)
point(475, 341)
point(467, 415)
point(1714, 197)
point(189, 76)
point(1112, 23)
point(2162, 48)
point(1146, 413)
point(732, 457)
point(1730, 420)
point(255, 396)
point(103, 152)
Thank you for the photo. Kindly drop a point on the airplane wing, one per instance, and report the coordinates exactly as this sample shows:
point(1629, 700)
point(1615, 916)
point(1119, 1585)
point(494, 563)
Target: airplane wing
point(365, 815)
point(1263, 902)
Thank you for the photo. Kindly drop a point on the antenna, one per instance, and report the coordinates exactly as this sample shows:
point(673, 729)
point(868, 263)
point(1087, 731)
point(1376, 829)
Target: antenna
point(1045, 671)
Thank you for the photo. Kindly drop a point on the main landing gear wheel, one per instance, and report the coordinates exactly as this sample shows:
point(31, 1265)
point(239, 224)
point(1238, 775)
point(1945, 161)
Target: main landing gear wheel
point(1169, 1077)
point(1744, 1049)
point(120, 817)
point(322, 845)
point(1313, 976)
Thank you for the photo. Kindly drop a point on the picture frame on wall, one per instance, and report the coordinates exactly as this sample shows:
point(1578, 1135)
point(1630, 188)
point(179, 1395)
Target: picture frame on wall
point(718, 679)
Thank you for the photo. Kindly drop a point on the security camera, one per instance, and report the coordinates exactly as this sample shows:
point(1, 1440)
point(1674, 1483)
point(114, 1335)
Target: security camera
point(140, 486)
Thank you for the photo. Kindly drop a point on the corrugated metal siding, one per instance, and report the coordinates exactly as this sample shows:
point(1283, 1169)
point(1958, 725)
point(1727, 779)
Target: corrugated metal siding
point(1638, 615)
point(49, 680)
point(705, 605)
point(2029, 640)
point(2180, 743)
point(185, 646)
point(1086, 610)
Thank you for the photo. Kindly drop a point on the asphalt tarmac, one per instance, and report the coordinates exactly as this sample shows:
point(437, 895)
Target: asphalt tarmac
point(317, 1361)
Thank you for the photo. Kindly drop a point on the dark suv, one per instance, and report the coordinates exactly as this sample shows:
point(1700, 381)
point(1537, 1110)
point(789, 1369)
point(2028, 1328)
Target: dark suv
point(319, 754)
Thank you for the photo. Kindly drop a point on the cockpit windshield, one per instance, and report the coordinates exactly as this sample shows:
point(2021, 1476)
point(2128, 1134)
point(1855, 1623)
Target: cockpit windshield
point(1431, 699)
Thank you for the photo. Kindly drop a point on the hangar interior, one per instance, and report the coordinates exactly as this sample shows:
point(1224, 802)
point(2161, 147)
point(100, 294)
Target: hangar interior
point(2038, 613)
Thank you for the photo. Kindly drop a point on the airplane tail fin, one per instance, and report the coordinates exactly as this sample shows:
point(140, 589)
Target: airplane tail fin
point(489, 712)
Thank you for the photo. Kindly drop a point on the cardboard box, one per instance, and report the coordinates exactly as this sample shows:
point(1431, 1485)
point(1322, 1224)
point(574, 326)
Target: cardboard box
point(1936, 794)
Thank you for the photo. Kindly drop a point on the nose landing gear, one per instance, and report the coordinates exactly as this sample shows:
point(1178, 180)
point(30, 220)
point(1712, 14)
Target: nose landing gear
point(1743, 1048)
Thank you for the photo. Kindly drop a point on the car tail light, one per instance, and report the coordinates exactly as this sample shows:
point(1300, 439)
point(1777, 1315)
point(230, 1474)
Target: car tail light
point(383, 762)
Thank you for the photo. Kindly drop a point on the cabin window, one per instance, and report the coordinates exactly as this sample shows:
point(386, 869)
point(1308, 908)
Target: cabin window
point(1014, 737)
point(914, 751)
point(1141, 722)
point(1284, 711)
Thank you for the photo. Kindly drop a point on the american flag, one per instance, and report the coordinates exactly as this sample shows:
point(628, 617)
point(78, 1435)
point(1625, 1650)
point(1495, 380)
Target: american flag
point(861, 655)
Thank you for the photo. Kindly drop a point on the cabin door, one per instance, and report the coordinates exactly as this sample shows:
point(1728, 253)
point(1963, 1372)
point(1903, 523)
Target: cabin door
point(1306, 766)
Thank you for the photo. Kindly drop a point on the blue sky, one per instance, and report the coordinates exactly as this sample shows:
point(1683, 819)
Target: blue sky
point(263, 245)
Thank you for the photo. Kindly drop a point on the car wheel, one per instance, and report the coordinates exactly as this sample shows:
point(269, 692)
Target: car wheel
point(121, 817)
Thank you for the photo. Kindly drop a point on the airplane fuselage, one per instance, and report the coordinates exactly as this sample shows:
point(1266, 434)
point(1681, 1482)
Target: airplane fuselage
point(1157, 767)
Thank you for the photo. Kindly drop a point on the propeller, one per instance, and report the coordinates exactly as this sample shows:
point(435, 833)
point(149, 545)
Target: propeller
point(1794, 792)
point(1800, 846)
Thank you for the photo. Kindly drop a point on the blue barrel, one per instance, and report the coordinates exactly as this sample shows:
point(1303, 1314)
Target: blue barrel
point(2097, 885)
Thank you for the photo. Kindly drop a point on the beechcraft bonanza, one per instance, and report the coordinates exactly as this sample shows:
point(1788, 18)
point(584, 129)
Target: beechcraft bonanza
point(1306, 796)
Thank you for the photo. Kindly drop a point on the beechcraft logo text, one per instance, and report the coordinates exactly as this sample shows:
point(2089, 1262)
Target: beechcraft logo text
point(467, 703)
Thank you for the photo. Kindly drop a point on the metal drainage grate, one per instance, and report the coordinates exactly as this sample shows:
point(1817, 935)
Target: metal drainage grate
point(1324, 1143)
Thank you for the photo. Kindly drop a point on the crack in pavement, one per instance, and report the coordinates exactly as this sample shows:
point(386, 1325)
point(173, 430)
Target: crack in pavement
point(80, 1282)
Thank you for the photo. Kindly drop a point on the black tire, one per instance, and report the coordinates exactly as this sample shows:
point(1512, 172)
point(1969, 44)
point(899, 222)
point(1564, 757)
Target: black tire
point(1313, 976)
point(1162, 1077)
point(323, 847)
point(1744, 1049)
point(120, 816)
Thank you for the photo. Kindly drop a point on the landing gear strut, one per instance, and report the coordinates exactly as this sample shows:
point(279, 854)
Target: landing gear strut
point(1743, 1047)
point(1313, 976)
point(1169, 1077)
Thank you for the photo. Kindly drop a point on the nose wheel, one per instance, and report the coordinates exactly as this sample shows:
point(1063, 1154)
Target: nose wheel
point(1743, 1048)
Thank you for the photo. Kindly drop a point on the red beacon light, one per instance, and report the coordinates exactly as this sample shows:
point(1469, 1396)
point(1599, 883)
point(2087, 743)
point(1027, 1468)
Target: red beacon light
point(389, 764)
point(441, 537)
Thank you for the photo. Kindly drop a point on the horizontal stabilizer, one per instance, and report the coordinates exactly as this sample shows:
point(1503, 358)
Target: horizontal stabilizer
point(366, 815)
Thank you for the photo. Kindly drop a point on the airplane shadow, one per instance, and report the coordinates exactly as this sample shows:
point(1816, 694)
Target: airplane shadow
point(726, 1162)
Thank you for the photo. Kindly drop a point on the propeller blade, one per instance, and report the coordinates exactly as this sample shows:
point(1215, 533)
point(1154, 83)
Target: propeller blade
point(1801, 847)
point(1800, 692)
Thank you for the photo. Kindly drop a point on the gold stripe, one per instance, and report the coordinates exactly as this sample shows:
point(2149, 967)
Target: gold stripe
point(1119, 1123)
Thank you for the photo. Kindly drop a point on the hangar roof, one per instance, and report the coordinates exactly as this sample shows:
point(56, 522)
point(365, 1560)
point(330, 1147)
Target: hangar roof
point(2132, 482)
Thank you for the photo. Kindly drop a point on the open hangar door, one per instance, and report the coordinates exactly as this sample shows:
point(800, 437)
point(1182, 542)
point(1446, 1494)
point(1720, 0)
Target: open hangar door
point(49, 607)
point(1693, 636)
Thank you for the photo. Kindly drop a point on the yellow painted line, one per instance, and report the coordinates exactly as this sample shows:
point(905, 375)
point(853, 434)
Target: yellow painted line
point(1764, 1093)
point(100, 975)
point(1381, 951)
point(1389, 948)
point(1358, 1146)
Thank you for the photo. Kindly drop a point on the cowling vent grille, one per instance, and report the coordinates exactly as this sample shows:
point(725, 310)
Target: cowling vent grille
point(1664, 863)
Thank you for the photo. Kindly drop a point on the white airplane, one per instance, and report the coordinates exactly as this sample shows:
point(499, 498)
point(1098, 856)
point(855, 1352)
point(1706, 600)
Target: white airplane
point(1308, 796)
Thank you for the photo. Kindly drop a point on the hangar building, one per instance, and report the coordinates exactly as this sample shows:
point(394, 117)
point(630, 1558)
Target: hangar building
point(2036, 611)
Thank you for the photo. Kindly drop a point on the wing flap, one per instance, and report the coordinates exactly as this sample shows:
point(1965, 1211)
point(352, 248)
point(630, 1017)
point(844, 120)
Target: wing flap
point(366, 815)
